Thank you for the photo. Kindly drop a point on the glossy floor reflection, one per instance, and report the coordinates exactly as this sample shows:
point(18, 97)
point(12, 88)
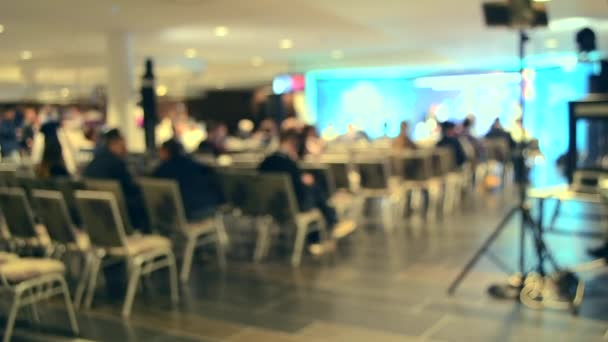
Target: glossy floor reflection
point(383, 286)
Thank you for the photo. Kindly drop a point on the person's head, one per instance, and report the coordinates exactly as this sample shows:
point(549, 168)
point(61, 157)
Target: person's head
point(309, 131)
point(448, 129)
point(170, 149)
point(497, 124)
point(290, 142)
point(29, 115)
point(467, 125)
point(9, 113)
point(115, 143)
point(217, 131)
point(403, 128)
point(269, 127)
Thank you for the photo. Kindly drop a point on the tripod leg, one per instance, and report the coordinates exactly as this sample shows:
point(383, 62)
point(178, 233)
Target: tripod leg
point(555, 215)
point(484, 247)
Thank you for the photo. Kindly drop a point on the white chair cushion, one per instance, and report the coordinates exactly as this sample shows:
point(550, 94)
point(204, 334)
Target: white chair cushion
point(201, 227)
point(23, 269)
point(6, 257)
point(139, 244)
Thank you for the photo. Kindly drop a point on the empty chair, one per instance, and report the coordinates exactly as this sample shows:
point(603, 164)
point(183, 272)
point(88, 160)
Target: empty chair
point(19, 218)
point(166, 211)
point(374, 182)
point(113, 187)
point(54, 215)
point(277, 200)
point(32, 280)
point(143, 254)
point(415, 171)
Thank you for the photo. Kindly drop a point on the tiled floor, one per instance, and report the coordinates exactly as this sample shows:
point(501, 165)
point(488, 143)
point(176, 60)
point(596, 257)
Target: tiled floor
point(384, 286)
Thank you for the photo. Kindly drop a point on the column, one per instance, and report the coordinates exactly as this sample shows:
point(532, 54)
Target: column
point(120, 88)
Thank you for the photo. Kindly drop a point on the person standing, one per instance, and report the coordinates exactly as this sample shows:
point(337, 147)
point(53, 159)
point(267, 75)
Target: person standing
point(449, 139)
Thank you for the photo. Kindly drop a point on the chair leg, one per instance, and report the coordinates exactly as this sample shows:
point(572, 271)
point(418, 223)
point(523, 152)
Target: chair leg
point(262, 238)
point(10, 322)
point(187, 262)
point(222, 241)
point(556, 212)
point(68, 306)
point(173, 282)
point(131, 289)
point(95, 268)
point(298, 248)
point(33, 308)
point(82, 282)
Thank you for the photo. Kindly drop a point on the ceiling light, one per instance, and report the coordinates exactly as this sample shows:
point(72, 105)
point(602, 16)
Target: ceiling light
point(286, 44)
point(25, 55)
point(542, 0)
point(257, 61)
point(337, 54)
point(221, 31)
point(190, 53)
point(1, 28)
point(64, 92)
point(551, 43)
point(161, 90)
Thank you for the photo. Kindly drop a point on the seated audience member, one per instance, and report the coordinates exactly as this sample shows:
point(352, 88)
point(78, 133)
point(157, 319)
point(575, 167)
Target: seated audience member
point(52, 164)
point(30, 127)
point(497, 131)
point(9, 143)
point(110, 162)
point(198, 184)
point(467, 135)
point(309, 196)
point(216, 139)
point(403, 141)
point(311, 144)
point(353, 134)
point(449, 139)
point(267, 134)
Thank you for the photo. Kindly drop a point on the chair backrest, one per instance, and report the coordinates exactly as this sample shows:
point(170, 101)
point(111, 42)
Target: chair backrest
point(17, 213)
point(496, 149)
point(67, 187)
point(53, 212)
point(276, 197)
point(374, 174)
point(163, 204)
point(240, 189)
point(101, 218)
point(8, 174)
point(414, 165)
point(112, 186)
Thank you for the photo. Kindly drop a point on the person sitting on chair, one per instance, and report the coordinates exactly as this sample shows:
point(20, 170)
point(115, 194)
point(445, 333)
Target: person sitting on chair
point(216, 139)
point(449, 139)
point(110, 163)
point(403, 141)
point(309, 196)
point(198, 184)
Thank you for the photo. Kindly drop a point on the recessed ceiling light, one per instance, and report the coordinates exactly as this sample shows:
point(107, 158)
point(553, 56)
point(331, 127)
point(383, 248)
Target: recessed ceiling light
point(64, 92)
point(161, 90)
point(257, 61)
point(221, 31)
point(337, 54)
point(542, 0)
point(25, 55)
point(1, 28)
point(286, 44)
point(551, 43)
point(190, 53)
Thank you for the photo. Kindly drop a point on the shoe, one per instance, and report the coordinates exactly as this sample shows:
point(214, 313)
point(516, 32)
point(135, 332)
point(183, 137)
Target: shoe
point(343, 229)
point(319, 249)
point(600, 252)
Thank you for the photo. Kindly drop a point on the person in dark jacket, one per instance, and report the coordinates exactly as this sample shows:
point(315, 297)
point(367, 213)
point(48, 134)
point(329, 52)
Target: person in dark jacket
point(216, 139)
point(497, 131)
point(52, 164)
point(109, 163)
point(198, 184)
point(9, 143)
point(450, 140)
point(308, 194)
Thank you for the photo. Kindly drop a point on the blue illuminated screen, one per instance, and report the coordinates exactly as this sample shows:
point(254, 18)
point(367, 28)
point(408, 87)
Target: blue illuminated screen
point(378, 105)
